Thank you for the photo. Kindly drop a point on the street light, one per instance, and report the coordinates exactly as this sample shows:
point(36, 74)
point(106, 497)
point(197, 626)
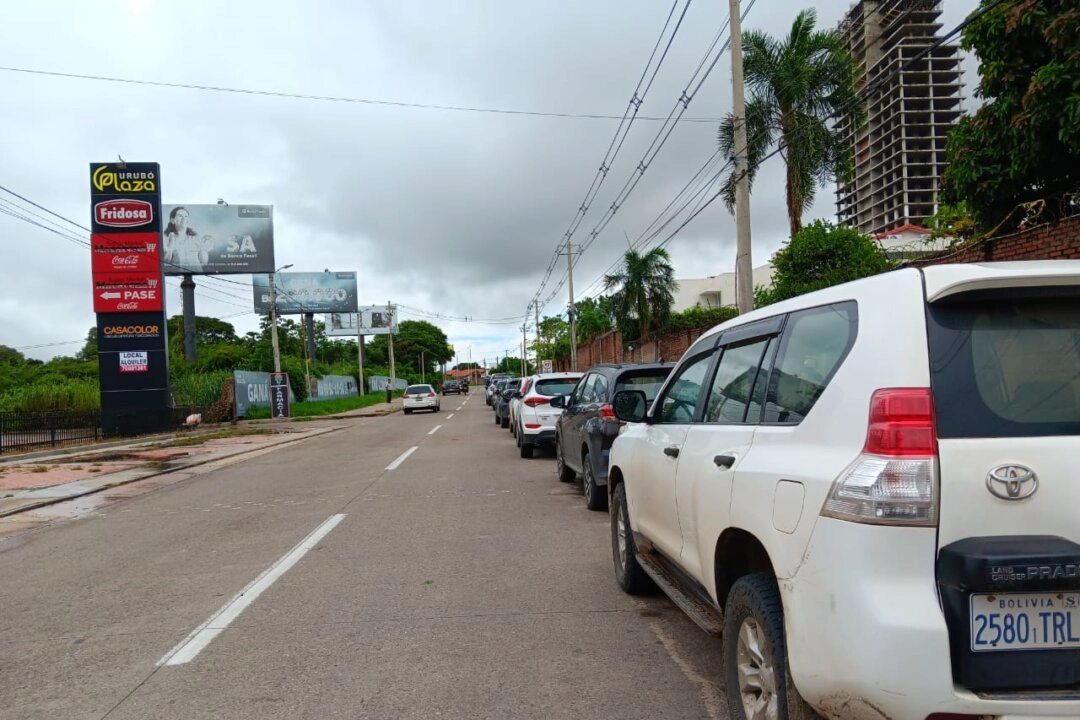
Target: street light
point(273, 318)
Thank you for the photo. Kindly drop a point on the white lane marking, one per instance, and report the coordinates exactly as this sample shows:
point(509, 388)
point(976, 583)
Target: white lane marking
point(451, 415)
point(401, 458)
point(435, 429)
point(201, 636)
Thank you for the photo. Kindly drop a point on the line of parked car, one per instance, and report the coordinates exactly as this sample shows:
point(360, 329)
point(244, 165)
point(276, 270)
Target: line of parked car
point(867, 492)
point(571, 413)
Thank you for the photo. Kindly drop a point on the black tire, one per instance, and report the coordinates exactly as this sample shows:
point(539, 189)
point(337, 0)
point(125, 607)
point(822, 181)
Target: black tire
point(505, 422)
point(754, 605)
point(565, 474)
point(407, 411)
point(631, 578)
point(525, 449)
point(595, 497)
point(497, 418)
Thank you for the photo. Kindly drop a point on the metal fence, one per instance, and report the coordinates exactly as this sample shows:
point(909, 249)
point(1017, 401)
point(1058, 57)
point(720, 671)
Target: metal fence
point(21, 431)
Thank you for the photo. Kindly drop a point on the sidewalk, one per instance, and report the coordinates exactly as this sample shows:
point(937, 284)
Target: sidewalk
point(36, 479)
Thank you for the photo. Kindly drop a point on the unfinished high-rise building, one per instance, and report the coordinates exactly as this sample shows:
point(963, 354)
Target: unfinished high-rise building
point(900, 152)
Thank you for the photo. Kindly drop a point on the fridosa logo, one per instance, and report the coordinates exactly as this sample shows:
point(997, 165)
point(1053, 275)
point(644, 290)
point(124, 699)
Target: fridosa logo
point(123, 213)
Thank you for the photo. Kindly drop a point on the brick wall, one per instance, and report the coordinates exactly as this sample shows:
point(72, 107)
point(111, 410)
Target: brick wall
point(1058, 240)
point(609, 348)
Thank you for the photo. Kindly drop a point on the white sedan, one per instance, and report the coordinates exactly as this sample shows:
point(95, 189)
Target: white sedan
point(421, 397)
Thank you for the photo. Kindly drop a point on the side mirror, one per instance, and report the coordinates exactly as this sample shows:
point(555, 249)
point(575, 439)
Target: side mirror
point(630, 406)
point(559, 401)
point(518, 395)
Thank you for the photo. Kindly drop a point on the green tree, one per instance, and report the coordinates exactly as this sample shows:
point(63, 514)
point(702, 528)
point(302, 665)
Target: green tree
point(595, 316)
point(646, 291)
point(90, 348)
point(795, 87)
point(819, 256)
point(1023, 144)
point(413, 337)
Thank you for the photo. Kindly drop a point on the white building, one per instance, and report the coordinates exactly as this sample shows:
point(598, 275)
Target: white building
point(716, 290)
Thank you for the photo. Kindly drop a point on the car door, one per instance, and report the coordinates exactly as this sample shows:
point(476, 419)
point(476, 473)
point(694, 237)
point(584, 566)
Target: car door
point(714, 448)
point(582, 402)
point(651, 490)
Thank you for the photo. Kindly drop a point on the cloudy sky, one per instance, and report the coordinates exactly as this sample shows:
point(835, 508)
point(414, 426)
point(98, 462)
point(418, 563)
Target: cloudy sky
point(450, 214)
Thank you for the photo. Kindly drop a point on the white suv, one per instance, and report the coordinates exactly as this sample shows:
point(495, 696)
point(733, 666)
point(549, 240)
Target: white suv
point(868, 492)
point(533, 416)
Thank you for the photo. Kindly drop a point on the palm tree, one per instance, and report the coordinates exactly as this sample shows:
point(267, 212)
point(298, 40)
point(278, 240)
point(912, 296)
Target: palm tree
point(796, 87)
point(646, 292)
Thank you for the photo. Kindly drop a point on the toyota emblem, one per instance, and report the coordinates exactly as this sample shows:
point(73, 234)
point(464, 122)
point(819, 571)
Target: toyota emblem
point(1012, 482)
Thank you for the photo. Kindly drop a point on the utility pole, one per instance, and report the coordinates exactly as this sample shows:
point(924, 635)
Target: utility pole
point(744, 269)
point(360, 356)
point(273, 325)
point(390, 343)
point(536, 307)
point(572, 310)
point(524, 361)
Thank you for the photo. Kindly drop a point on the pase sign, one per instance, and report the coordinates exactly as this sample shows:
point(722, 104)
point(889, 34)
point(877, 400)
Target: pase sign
point(124, 213)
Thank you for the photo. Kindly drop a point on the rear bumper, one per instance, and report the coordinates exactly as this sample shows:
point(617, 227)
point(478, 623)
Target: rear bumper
point(540, 437)
point(864, 634)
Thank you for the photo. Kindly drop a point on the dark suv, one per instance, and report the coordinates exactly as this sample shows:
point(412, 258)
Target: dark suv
point(588, 427)
point(451, 386)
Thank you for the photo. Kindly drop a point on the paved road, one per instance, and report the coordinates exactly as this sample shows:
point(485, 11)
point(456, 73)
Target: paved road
point(464, 583)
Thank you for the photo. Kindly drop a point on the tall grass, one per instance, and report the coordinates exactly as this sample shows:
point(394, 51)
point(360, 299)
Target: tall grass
point(71, 394)
point(199, 388)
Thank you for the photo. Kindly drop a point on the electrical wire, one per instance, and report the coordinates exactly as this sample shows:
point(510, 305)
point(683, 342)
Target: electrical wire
point(330, 98)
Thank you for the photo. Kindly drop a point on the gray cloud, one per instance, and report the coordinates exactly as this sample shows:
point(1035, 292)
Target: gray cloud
point(455, 213)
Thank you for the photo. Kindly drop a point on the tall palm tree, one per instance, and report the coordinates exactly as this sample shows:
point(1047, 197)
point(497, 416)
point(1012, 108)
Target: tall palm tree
point(797, 87)
point(646, 291)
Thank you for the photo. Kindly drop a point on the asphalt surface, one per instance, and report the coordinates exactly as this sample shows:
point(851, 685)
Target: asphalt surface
point(464, 583)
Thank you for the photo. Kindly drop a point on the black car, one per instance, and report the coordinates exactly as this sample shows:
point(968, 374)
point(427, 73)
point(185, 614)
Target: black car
point(501, 401)
point(452, 386)
point(588, 427)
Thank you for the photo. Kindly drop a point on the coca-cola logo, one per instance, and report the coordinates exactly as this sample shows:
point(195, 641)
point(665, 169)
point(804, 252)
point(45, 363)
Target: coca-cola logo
point(124, 213)
point(127, 306)
point(125, 260)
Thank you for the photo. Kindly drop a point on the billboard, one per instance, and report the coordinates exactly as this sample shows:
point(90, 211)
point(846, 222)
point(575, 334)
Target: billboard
point(217, 239)
point(370, 320)
point(125, 264)
point(311, 292)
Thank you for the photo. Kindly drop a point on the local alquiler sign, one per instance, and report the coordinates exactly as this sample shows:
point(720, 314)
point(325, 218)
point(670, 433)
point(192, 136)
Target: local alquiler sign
point(128, 297)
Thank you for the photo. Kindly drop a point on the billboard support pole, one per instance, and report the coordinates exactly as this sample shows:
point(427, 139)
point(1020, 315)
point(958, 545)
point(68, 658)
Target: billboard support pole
point(360, 357)
point(188, 287)
point(309, 320)
point(390, 343)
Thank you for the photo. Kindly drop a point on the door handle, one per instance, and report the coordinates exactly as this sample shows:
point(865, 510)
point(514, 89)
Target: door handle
point(671, 452)
point(724, 462)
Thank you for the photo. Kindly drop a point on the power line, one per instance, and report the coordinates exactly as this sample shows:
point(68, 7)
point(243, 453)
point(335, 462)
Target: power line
point(332, 98)
point(617, 140)
point(661, 138)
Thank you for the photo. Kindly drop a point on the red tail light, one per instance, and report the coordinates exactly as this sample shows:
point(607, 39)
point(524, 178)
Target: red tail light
point(534, 401)
point(607, 413)
point(902, 423)
point(431, 394)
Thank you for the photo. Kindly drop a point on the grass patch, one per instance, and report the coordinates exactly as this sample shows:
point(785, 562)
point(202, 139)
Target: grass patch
point(315, 408)
point(39, 469)
point(94, 469)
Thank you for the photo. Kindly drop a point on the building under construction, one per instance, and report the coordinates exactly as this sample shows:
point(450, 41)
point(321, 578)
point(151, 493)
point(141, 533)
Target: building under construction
point(900, 153)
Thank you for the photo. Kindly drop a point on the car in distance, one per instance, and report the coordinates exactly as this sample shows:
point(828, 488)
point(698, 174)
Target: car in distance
point(420, 397)
point(869, 492)
point(452, 386)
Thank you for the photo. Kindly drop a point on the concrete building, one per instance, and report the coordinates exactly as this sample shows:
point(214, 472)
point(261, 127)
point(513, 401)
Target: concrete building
point(900, 154)
point(716, 290)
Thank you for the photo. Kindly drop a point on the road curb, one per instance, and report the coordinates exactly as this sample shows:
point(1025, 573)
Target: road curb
point(167, 471)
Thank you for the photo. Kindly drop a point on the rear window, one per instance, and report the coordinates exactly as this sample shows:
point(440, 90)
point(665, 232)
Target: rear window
point(648, 383)
point(1006, 366)
point(418, 390)
point(555, 386)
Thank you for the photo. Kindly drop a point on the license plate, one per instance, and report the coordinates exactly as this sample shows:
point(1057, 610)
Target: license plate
point(1025, 621)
